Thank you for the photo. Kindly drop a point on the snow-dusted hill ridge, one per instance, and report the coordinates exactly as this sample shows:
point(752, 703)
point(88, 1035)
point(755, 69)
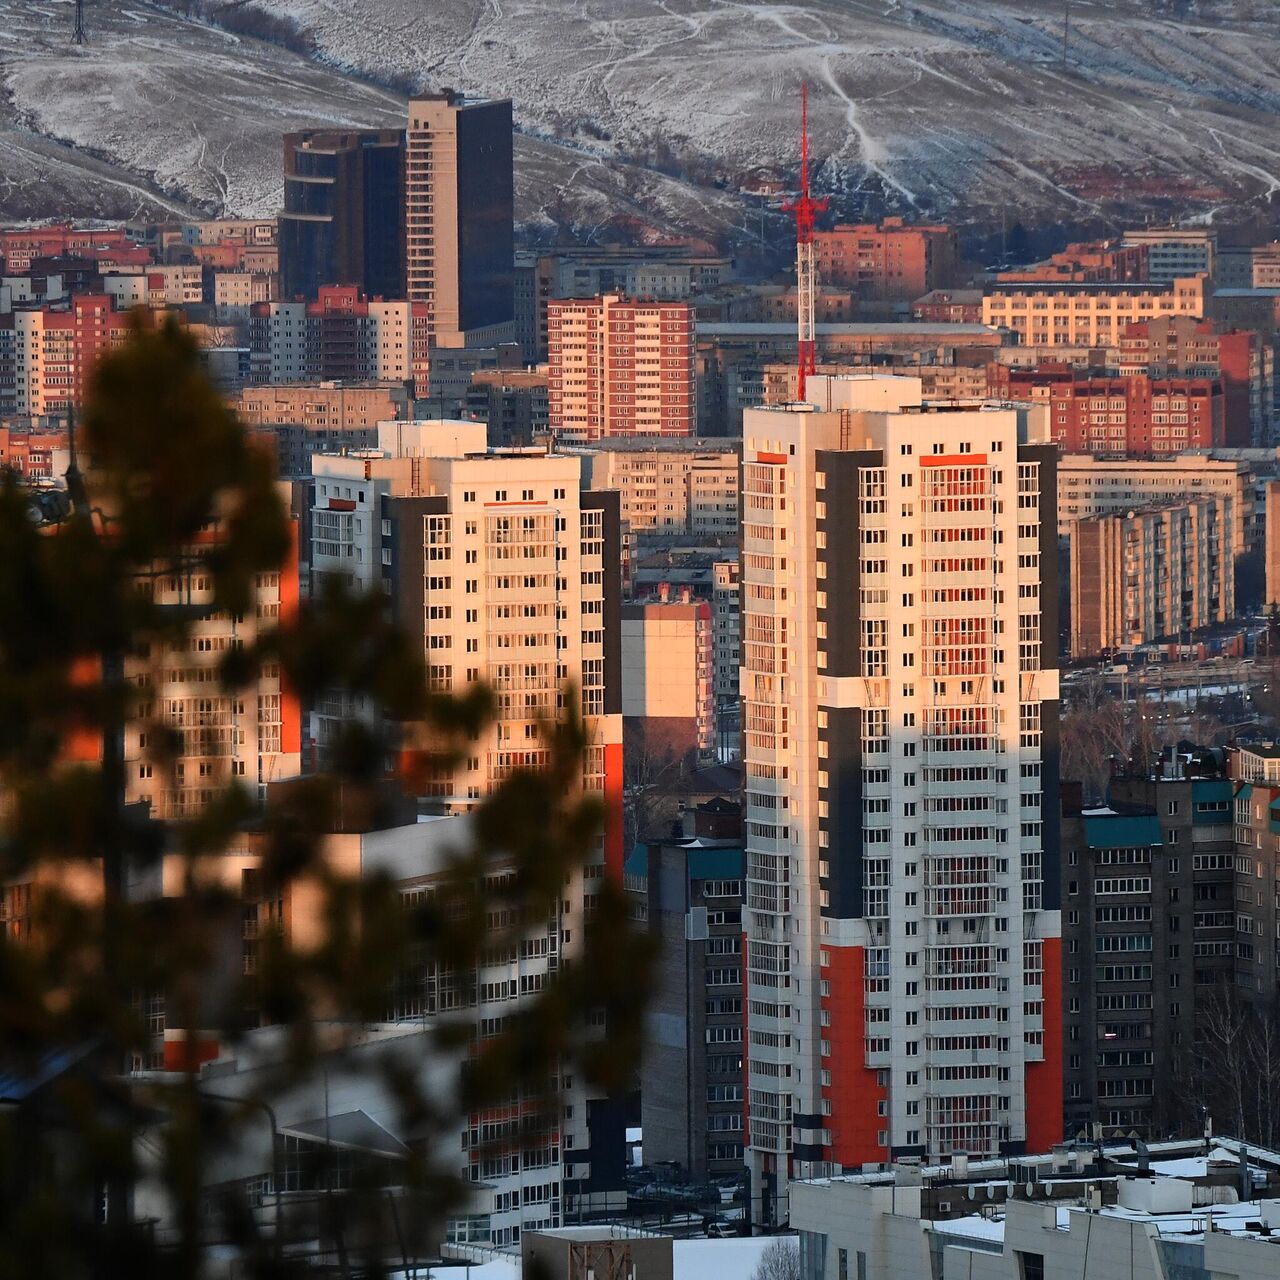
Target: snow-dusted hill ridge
point(948, 106)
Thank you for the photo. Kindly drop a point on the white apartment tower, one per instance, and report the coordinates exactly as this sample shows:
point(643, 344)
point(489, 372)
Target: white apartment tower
point(900, 699)
point(507, 571)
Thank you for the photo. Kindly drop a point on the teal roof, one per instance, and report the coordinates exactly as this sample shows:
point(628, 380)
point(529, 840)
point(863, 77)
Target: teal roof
point(1116, 831)
point(719, 862)
point(1210, 789)
point(1245, 793)
point(1211, 801)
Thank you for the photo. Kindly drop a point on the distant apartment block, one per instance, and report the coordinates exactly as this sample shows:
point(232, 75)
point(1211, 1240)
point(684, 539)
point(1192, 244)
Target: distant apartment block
point(619, 367)
point(341, 335)
point(1151, 573)
point(1135, 417)
point(1089, 486)
point(688, 892)
point(668, 273)
point(1249, 266)
point(1088, 314)
point(1175, 252)
point(301, 420)
point(47, 354)
point(1104, 260)
point(343, 221)
point(513, 403)
point(668, 681)
point(888, 262)
point(20, 246)
point(669, 488)
point(704, 574)
point(459, 217)
point(1272, 553)
point(1177, 346)
point(1150, 929)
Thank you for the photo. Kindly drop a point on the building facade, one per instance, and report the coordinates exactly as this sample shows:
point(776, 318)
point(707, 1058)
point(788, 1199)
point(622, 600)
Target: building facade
point(1150, 573)
point(688, 894)
point(889, 262)
point(343, 212)
point(668, 681)
point(1149, 931)
point(1088, 314)
point(900, 704)
point(619, 367)
point(459, 217)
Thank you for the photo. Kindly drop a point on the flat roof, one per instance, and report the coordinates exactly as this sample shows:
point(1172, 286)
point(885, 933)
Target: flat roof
point(769, 328)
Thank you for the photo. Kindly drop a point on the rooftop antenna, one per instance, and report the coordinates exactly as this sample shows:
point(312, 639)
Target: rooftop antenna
point(804, 207)
point(78, 36)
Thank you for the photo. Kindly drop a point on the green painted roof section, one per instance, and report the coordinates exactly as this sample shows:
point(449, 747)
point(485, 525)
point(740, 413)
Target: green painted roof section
point(1210, 789)
point(1117, 831)
point(716, 863)
point(1245, 793)
point(1211, 802)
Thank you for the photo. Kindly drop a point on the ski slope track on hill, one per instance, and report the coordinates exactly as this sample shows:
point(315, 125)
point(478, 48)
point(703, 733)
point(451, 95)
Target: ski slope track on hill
point(648, 117)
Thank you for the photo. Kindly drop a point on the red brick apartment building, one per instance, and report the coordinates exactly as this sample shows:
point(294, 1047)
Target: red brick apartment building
point(108, 247)
point(620, 367)
point(1135, 417)
point(892, 262)
point(1091, 262)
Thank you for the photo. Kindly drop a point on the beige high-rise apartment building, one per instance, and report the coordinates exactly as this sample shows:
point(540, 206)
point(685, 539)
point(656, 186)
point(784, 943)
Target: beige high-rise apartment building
point(900, 724)
point(459, 217)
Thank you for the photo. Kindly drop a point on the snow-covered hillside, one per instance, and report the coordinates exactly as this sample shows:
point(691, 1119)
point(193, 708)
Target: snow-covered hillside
point(955, 106)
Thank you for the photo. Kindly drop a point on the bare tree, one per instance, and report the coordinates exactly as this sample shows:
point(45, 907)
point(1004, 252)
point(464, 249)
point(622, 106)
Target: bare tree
point(780, 1260)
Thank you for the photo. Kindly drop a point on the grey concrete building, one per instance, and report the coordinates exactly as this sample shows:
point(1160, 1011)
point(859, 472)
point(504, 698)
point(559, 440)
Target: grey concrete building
point(1148, 932)
point(688, 892)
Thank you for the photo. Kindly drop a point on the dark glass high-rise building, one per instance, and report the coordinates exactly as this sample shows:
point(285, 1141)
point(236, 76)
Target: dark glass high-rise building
point(343, 219)
point(459, 212)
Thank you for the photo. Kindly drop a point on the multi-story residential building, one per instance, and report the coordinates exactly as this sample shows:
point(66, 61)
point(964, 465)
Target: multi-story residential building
point(343, 219)
point(20, 246)
point(1138, 417)
point(1175, 252)
point(667, 272)
point(688, 894)
point(52, 352)
point(891, 262)
point(502, 566)
point(505, 570)
point(340, 335)
point(1153, 572)
point(235, 292)
point(1271, 553)
point(322, 417)
point(1149, 930)
point(1091, 486)
point(1088, 314)
point(703, 573)
point(459, 218)
point(619, 367)
point(900, 708)
point(1255, 770)
point(668, 681)
point(678, 488)
point(1180, 347)
point(732, 358)
point(1101, 260)
point(512, 402)
point(1249, 266)
point(949, 306)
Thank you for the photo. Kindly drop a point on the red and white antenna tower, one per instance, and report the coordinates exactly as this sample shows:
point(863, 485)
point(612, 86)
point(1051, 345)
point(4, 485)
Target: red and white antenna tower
point(805, 207)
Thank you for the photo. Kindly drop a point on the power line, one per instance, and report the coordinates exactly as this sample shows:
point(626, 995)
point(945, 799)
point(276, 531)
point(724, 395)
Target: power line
point(78, 36)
